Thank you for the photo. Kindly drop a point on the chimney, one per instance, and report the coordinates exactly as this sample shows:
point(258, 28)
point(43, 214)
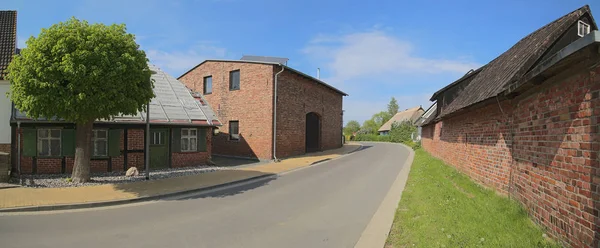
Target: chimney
point(318, 73)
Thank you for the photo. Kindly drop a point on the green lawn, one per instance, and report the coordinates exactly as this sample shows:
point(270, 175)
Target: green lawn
point(441, 207)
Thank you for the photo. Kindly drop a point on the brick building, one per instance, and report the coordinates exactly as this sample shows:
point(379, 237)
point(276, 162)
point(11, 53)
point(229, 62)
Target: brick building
point(526, 125)
point(242, 92)
point(181, 128)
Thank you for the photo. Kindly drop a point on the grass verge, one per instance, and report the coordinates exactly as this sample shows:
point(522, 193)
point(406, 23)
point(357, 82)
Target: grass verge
point(441, 207)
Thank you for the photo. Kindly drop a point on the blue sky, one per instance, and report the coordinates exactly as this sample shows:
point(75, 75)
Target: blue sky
point(372, 51)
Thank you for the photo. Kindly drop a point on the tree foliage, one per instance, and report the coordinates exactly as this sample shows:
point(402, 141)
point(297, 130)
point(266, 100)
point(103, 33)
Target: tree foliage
point(381, 118)
point(351, 127)
point(393, 107)
point(80, 72)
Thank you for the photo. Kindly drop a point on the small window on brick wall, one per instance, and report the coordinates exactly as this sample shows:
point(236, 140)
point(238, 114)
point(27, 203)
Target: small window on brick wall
point(49, 142)
point(234, 80)
point(189, 139)
point(100, 142)
point(207, 85)
point(234, 130)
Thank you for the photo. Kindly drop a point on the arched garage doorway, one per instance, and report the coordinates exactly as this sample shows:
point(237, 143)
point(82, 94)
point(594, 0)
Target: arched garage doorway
point(313, 132)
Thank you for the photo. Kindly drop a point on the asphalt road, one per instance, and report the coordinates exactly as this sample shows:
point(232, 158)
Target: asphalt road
point(327, 205)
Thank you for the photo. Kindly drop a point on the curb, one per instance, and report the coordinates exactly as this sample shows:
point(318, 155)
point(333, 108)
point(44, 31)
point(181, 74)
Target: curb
point(320, 161)
point(155, 197)
point(127, 201)
point(378, 229)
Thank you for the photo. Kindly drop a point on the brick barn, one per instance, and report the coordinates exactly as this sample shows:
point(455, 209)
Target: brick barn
point(242, 92)
point(181, 128)
point(526, 125)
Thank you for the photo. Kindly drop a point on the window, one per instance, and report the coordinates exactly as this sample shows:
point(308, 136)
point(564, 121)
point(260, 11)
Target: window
point(189, 139)
point(100, 142)
point(49, 142)
point(583, 28)
point(207, 85)
point(157, 138)
point(234, 130)
point(234, 80)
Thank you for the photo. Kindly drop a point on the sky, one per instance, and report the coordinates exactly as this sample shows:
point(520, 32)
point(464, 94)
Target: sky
point(372, 50)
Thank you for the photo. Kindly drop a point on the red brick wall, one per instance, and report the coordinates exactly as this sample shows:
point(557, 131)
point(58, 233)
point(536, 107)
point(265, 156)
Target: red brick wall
point(135, 159)
point(186, 159)
point(297, 97)
point(252, 106)
point(543, 151)
point(5, 148)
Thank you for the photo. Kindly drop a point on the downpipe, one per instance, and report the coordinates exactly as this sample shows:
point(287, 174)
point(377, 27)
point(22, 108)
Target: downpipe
point(275, 116)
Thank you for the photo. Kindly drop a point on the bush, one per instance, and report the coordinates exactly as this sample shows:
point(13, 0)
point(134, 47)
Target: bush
point(400, 133)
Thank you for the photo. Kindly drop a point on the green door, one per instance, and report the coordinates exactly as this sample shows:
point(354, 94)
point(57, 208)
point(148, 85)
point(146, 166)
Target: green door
point(159, 148)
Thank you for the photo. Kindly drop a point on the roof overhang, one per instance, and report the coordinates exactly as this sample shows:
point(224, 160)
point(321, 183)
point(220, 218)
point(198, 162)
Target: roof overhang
point(580, 51)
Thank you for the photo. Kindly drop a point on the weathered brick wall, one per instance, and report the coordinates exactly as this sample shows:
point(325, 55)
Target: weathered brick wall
point(252, 106)
point(299, 96)
point(185, 159)
point(543, 151)
point(135, 143)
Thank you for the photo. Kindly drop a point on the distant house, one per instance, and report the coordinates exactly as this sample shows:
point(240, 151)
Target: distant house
point(8, 48)
point(526, 125)
point(411, 114)
point(262, 120)
point(427, 117)
point(181, 128)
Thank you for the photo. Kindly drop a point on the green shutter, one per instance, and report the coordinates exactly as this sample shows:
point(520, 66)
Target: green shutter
point(202, 139)
point(176, 139)
point(114, 142)
point(29, 142)
point(68, 142)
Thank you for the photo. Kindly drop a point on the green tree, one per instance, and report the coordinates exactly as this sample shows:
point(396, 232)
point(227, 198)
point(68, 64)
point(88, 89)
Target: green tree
point(81, 72)
point(393, 107)
point(369, 127)
point(402, 132)
point(351, 127)
point(381, 118)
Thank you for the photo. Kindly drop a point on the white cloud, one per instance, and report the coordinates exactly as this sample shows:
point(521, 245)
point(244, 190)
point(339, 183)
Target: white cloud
point(177, 62)
point(365, 54)
point(385, 65)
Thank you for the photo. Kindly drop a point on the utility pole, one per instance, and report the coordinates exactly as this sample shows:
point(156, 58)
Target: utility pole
point(147, 160)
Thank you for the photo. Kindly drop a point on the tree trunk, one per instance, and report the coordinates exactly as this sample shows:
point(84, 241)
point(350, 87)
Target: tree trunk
point(83, 152)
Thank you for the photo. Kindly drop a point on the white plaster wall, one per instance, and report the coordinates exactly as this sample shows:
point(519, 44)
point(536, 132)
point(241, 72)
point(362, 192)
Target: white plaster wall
point(5, 106)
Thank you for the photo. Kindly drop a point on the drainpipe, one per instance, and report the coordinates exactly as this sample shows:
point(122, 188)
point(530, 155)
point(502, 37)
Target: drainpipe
point(275, 117)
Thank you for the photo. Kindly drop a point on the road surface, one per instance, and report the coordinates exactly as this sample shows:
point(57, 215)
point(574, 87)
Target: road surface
point(327, 205)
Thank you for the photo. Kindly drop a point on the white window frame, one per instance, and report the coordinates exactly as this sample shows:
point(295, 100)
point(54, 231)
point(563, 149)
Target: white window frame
point(49, 138)
point(582, 24)
point(95, 139)
point(157, 138)
point(188, 137)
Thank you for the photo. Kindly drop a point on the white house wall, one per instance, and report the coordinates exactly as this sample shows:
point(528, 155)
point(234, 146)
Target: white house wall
point(5, 107)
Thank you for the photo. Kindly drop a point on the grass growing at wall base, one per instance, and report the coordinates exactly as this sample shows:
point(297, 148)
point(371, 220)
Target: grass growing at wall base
point(441, 207)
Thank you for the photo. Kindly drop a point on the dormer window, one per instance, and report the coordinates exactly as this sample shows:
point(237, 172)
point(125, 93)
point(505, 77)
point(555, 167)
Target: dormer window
point(582, 28)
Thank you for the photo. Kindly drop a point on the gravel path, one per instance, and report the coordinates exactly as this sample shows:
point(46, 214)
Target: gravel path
point(60, 180)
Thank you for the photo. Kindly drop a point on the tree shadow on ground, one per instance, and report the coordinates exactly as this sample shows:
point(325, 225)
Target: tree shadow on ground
point(221, 183)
